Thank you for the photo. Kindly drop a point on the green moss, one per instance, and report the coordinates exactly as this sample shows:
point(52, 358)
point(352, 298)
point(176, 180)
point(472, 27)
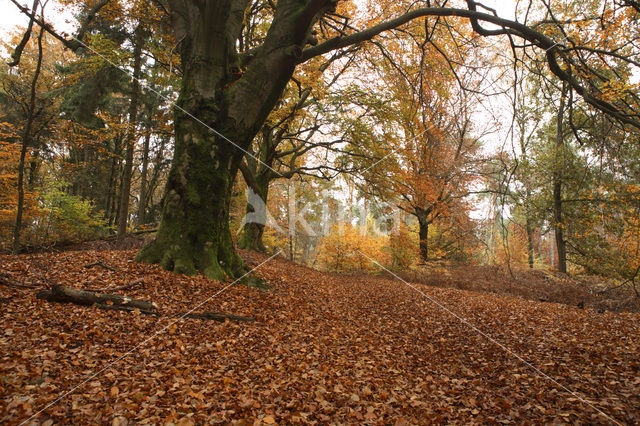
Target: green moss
point(194, 231)
point(192, 195)
point(184, 265)
point(251, 238)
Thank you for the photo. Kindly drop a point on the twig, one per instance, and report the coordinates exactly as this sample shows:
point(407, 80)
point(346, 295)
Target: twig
point(217, 316)
point(128, 286)
point(102, 265)
point(132, 233)
point(9, 282)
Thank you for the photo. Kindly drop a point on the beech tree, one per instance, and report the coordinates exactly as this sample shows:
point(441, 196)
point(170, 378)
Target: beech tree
point(307, 124)
point(421, 118)
point(227, 93)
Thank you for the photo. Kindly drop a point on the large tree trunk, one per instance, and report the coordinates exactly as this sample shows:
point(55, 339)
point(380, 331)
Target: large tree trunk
point(194, 234)
point(557, 189)
point(218, 97)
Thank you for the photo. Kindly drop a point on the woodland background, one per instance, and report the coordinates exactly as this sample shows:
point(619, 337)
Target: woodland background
point(399, 155)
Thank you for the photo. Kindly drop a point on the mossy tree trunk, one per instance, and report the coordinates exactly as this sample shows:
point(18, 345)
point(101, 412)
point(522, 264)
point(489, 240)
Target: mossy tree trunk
point(221, 94)
point(256, 216)
point(258, 173)
point(194, 234)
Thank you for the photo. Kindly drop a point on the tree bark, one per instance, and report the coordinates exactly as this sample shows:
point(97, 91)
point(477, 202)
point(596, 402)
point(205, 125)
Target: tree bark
point(220, 110)
point(193, 234)
point(64, 294)
point(253, 231)
point(142, 204)
point(256, 210)
point(109, 205)
point(561, 246)
point(423, 233)
point(26, 139)
point(529, 229)
point(125, 188)
point(141, 217)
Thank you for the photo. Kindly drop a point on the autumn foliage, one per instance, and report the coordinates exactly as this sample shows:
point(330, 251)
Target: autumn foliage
point(350, 248)
point(423, 167)
point(9, 154)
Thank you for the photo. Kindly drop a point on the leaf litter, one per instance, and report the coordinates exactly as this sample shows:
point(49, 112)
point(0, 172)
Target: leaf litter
point(325, 348)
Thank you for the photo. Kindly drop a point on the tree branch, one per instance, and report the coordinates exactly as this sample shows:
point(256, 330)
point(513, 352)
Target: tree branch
point(73, 44)
point(509, 27)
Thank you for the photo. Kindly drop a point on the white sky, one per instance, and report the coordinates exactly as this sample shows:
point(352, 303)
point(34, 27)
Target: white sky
point(10, 16)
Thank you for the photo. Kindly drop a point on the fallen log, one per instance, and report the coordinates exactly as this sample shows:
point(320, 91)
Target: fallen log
point(62, 294)
point(114, 302)
point(136, 232)
point(127, 309)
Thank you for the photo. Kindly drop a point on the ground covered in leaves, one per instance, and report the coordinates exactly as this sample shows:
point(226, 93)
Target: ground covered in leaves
point(324, 348)
point(539, 285)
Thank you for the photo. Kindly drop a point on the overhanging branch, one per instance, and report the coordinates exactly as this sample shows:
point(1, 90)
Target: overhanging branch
point(508, 27)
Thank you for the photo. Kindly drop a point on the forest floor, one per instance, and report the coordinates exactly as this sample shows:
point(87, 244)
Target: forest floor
point(539, 285)
point(324, 348)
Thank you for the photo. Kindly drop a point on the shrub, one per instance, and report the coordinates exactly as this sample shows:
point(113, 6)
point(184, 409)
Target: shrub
point(348, 248)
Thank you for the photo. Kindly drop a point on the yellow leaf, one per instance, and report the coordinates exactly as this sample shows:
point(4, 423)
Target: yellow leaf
point(269, 420)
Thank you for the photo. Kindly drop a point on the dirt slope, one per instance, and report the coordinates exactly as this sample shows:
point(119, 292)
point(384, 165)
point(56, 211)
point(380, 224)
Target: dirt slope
point(325, 348)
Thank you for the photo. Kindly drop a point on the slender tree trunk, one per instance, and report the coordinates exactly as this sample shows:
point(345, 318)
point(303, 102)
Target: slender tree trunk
point(291, 253)
point(529, 229)
point(118, 197)
point(142, 204)
point(125, 188)
point(157, 169)
point(110, 186)
point(258, 176)
point(18, 225)
point(26, 138)
point(557, 188)
point(256, 215)
point(423, 234)
point(34, 166)
point(116, 178)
